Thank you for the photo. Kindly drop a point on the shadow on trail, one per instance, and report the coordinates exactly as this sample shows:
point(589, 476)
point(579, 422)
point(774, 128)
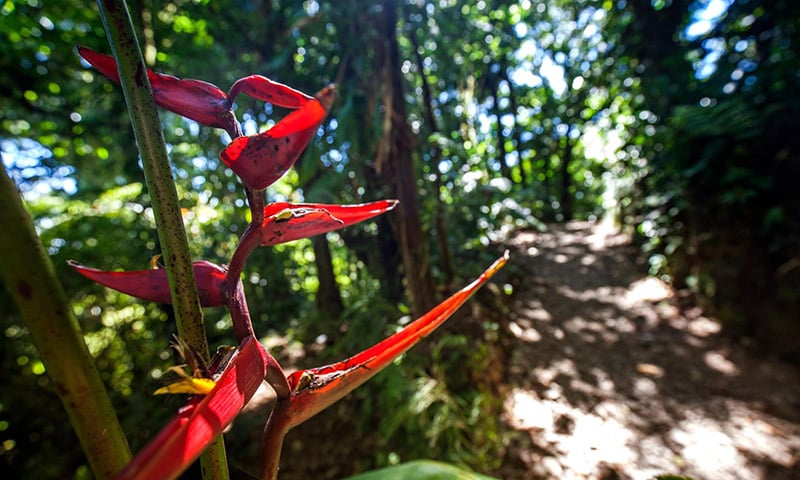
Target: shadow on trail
point(610, 378)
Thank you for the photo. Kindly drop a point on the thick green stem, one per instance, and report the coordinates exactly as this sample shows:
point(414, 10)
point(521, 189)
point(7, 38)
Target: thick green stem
point(30, 278)
point(161, 185)
point(214, 461)
point(157, 172)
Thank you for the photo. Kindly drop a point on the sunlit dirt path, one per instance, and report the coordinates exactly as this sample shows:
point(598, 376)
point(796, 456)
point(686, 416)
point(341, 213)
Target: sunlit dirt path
point(609, 377)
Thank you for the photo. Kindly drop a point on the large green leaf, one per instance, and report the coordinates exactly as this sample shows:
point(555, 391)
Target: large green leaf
point(421, 470)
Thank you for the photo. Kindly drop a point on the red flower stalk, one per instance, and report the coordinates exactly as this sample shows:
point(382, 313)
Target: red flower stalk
point(315, 389)
point(153, 285)
point(200, 101)
point(185, 437)
point(261, 159)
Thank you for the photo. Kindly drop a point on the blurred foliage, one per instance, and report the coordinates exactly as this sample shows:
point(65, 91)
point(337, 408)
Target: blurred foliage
point(680, 127)
point(717, 209)
point(445, 408)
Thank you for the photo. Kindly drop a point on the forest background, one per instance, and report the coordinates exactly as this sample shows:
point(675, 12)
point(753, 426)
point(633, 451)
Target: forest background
point(674, 119)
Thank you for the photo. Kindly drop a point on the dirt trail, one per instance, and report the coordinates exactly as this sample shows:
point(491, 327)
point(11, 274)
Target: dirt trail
point(609, 378)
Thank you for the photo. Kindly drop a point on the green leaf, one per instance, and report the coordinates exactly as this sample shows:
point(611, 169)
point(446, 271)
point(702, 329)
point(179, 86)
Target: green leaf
point(421, 470)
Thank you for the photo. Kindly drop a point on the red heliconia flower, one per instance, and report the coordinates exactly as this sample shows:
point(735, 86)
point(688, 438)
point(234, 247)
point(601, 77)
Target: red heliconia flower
point(200, 101)
point(188, 434)
point(284, 222)
point(261, 159)
point(152, 284)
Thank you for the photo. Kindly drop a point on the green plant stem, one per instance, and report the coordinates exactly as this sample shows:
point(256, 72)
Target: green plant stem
point(214, 461)
point(30, 277)
point(161, 185)
point(157, 172)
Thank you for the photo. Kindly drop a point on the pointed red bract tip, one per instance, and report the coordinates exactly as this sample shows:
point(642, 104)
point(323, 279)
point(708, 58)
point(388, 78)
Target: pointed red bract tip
point(285, 222)
point(317, 388)
point(197, 100)
point(153, 285)
point(105, 64)
point(261, 159)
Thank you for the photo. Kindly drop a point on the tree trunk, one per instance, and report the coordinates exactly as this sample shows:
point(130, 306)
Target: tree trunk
point(435, 157)
point(660, 54)
point(515, 132)
point(566, 180)
point(329, 296)
point(500, 146)
point(395, 164)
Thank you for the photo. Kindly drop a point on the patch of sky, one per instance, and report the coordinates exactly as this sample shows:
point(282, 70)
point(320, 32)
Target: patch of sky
point(705, 16)
point(532, 58)
point(24, 160)
point(336, 158)
point(249, 125)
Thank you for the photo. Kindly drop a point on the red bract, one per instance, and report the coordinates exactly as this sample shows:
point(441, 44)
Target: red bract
point(315, 389)
point(284, 222)
point(200, 101)
point(259, 160)
point(185, 437)
point(152, 285)
point(266, 90)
